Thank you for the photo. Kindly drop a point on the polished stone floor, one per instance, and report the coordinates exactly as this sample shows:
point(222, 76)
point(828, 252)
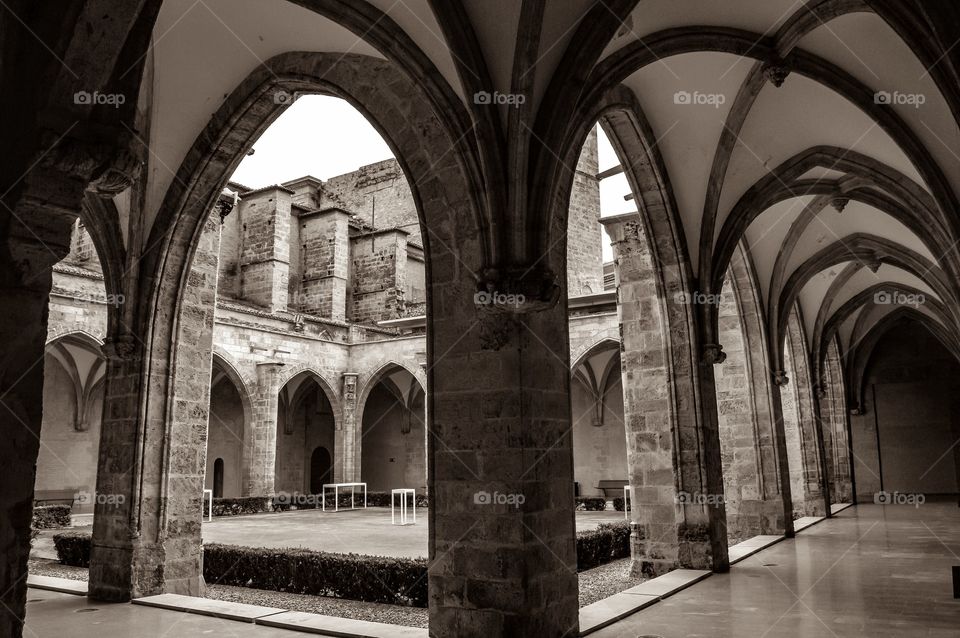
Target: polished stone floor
point(871, 571)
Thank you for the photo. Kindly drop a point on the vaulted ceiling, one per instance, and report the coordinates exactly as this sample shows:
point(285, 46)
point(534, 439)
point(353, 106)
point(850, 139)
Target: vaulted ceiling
point(812, 132)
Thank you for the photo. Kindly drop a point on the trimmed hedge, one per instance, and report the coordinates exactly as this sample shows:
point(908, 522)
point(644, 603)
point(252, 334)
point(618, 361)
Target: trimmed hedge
point(73, 548)
point(618, 503)
point(609, 542)
point(591, 503)
point(377, 579)
point(51, 516)
point(238, 506)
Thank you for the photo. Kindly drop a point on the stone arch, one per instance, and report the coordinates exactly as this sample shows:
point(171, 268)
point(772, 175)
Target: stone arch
point(289, 373)
point(222, 426)
point(582, 354)
point(410, 424)
point(170, 307)
point(801, 423)
point(660, 360)
point(750, 415)
point(836, 424)
point(96, 342)
point(297, 429)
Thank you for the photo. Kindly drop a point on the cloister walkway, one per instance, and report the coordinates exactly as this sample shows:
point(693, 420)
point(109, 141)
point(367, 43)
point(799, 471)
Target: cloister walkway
point(869, 571)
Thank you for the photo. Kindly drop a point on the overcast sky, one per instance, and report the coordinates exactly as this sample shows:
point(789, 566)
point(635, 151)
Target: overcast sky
point(325, 136)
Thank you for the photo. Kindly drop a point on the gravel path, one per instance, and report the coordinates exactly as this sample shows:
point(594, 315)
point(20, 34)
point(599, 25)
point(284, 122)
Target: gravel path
point(595, 584)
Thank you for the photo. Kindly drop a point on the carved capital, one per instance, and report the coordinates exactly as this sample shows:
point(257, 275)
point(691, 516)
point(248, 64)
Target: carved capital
point(119, 173)
point(856, 410)
point(517, 290)
point(776, 71)
point(839, 203)
point(780, 378)
point(121, 347)
point(872, 261)
point(713, 353)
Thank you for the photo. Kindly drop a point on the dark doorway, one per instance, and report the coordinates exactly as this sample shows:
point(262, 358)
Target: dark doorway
point(319, 469)
point(218, 478)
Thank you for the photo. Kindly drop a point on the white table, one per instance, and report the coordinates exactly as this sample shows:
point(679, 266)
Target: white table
point(403, 493)
point(627, 501)
point(336, 494)
point(210, 506)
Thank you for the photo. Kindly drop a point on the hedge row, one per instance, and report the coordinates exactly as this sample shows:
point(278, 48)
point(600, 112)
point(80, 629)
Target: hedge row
point(378, 579)
point(51, 516)
point(610, 541)
point(73, 548)
point(618, 503)
point(591, 503)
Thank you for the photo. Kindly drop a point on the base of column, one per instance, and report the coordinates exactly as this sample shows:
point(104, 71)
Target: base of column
point(689, 548)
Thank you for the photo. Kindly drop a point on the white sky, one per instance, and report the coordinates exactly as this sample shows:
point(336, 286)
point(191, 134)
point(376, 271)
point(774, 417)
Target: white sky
point(325, 136)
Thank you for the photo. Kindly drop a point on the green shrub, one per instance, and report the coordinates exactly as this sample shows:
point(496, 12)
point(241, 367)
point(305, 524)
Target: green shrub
point(610, 541)
point(51, 516)
point(73, 548)
point(591, 503)
point(618, 503)
point(378, 579)
point(237, 506)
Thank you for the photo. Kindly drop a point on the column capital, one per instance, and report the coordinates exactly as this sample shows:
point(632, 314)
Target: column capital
point(713, 353)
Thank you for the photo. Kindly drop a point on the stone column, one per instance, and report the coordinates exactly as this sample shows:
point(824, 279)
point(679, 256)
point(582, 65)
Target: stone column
point(798, 394)
point(346, 459)
point(670, 411)
point(146, 532)
point(756, 476)
point(500, 475)
point(836, 415)
point(33, 241)
point(260, 445)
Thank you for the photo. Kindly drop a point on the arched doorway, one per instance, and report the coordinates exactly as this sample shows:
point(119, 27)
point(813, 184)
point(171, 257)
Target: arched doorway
point(218, 478)
point(321, 469)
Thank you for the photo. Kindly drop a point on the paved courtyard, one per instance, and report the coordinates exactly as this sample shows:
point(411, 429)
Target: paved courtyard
point(359, 531)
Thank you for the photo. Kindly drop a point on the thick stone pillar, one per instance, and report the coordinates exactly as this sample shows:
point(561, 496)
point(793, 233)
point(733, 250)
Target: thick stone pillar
point(347, 440)
point(260, 445)
point(802, 426)
point(835, 418)
point(756, 476)
point(670, 411)
point(500, 475)
point(146, 532)
point(33, 241)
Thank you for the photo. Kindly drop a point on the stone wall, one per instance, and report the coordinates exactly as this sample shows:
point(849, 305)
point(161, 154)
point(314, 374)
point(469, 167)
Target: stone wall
point(225, 437)
point(378, 276)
